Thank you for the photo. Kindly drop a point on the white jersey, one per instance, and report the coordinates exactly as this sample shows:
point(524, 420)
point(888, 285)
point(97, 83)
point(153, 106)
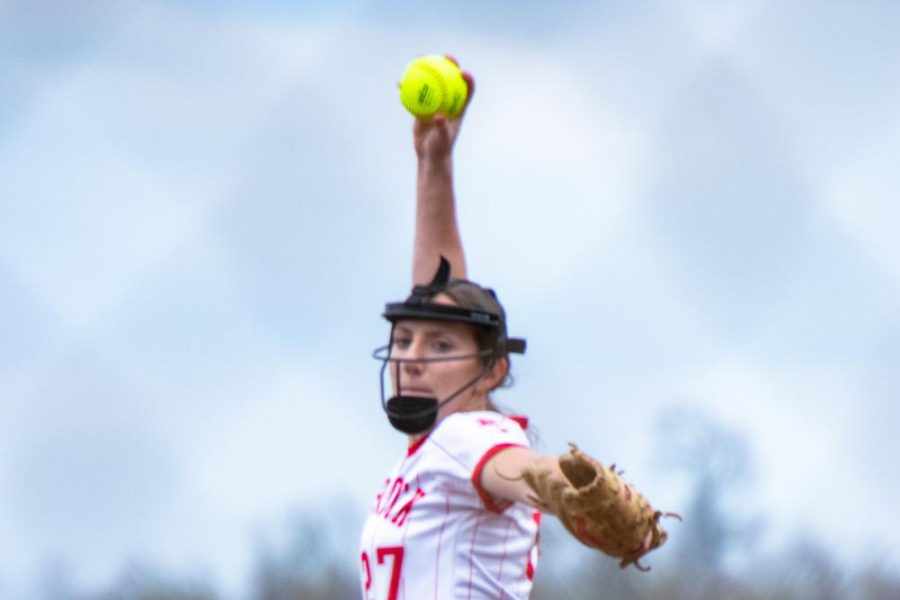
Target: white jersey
point(434, 533)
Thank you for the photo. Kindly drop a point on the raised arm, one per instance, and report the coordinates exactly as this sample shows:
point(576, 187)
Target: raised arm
point(437, 230)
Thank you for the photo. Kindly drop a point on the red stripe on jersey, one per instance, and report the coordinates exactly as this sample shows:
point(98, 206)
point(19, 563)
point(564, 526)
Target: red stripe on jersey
point(489, 503)
point(532, 554)
point(416, 445)
point(505, 550)
point(472, 552)
point(437, 554)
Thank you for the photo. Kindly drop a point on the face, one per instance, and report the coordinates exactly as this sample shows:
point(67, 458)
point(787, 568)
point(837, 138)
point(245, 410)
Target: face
point(441, 378)
point(436, 341)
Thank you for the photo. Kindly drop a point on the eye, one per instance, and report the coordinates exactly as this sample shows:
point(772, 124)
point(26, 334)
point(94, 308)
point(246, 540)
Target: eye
point(401, 343)
point(442, 345)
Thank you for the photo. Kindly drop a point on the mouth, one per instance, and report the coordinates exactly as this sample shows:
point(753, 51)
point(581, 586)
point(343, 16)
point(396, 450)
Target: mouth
point(415, 392)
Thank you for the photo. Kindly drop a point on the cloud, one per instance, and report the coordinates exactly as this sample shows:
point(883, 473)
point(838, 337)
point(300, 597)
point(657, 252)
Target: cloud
point(860, 199)
point(200, 235)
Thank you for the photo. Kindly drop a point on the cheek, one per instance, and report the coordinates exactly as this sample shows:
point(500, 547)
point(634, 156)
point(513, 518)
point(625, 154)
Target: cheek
point(457, 373)
point(396, 374)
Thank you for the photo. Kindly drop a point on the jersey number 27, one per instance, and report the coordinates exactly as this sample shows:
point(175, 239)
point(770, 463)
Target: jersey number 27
point(395, 553)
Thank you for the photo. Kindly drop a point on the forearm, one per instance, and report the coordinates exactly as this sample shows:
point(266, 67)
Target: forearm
point(502, 476)
point(437, 230)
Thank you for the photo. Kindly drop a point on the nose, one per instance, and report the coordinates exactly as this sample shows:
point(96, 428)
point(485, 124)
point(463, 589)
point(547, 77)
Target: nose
point(405, 369)
point(412, 369)
point(411, 364)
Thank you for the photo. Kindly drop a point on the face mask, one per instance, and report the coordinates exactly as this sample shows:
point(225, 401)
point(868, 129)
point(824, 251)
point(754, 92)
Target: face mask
point(417, 414)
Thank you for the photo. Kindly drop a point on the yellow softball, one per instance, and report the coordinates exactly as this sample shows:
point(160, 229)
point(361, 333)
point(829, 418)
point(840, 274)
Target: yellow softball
point(433, 85)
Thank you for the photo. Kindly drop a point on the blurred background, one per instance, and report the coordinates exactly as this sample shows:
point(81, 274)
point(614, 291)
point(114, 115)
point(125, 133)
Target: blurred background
point(689, 209)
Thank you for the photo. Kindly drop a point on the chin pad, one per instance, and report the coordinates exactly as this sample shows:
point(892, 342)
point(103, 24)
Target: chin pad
point(412, 414)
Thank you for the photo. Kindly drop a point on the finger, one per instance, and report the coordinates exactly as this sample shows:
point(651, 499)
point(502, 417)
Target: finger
point(470, 84)
point(446, 130)
point(470, 90)
point(648, 540)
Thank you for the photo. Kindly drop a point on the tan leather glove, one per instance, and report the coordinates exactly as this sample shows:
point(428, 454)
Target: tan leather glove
point(598, 508)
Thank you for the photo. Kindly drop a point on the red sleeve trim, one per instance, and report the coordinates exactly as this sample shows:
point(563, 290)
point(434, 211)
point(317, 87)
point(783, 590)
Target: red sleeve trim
point(489, 502)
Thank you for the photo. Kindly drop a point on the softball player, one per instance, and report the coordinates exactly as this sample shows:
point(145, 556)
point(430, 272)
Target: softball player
point(446, 524)
point(457, 516)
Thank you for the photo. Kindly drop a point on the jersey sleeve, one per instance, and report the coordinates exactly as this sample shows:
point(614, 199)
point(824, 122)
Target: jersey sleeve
point(469, 441)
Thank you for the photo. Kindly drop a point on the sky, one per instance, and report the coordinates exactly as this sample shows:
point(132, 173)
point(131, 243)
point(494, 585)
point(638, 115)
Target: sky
point(684, 205)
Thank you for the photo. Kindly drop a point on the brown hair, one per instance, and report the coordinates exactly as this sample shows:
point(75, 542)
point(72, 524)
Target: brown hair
point(468, 294)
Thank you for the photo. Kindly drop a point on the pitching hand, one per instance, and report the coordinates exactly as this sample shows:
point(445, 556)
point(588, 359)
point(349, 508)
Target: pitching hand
point(433, 139)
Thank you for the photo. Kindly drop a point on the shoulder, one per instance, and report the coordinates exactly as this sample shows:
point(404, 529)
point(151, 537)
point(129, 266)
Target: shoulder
point(479, 428)
point(481, 420)
point(472, 439)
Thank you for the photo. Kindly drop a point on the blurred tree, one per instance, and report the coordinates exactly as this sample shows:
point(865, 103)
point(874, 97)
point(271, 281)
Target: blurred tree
point(716, 463)
point(316, 557)
point(802, 570)
point(875, 583)
point(311, 565)
point(55, 581)
point(142, 582)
